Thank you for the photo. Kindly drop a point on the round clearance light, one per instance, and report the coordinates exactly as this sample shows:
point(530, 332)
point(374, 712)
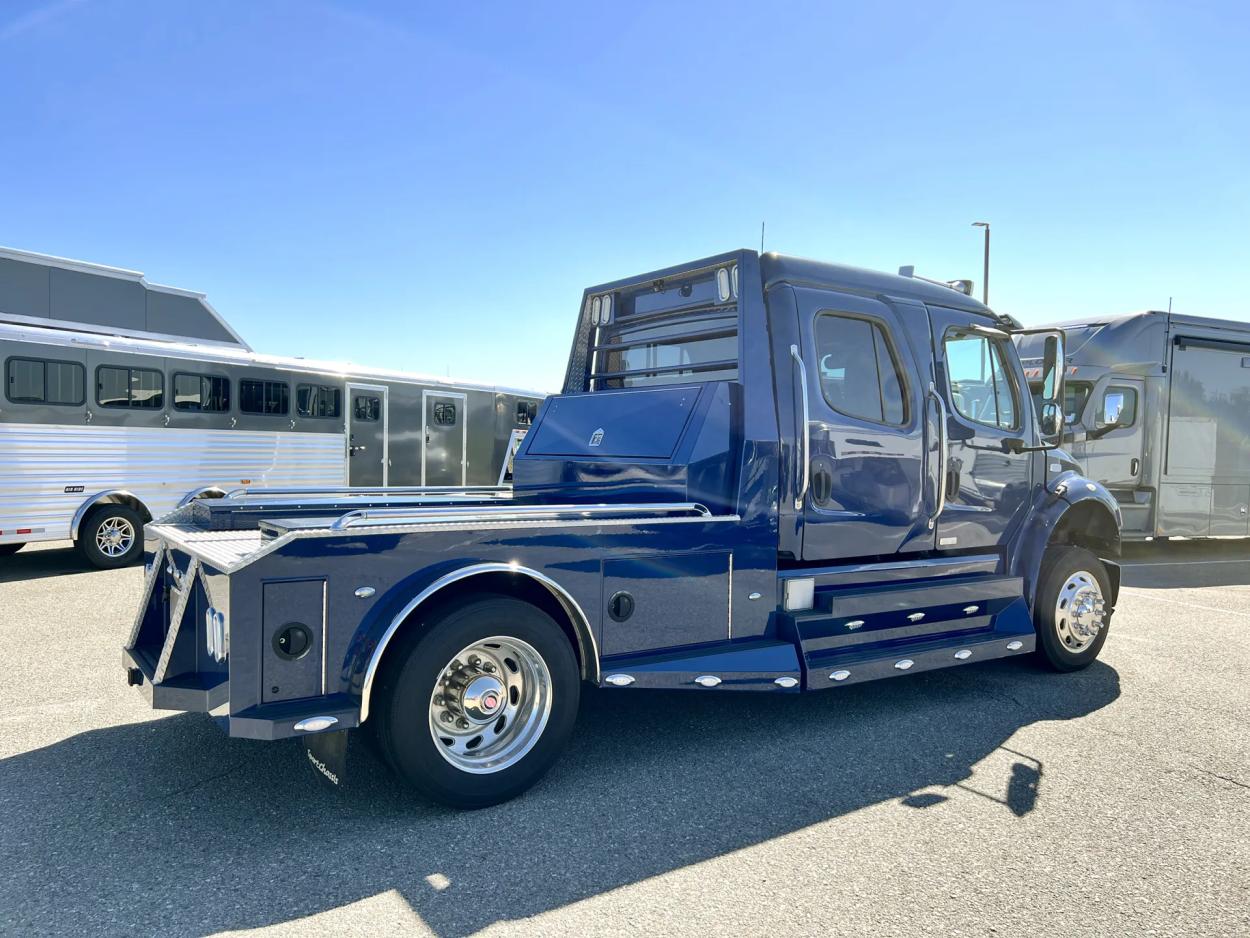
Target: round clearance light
point(292, 641)
point(722, 284)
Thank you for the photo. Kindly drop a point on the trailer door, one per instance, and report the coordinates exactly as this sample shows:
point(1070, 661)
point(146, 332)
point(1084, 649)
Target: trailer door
point(1115, 459)
point(367, 419)
point(445, 428)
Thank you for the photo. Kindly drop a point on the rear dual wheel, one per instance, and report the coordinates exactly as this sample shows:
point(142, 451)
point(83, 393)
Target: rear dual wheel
point(478, 701)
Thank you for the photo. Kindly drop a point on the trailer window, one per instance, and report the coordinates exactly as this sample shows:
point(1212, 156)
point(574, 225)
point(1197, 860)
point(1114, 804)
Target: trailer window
point(1119, 400)
point(444, 413)
point(526, 411)
point(366, 407)
point(1075, 394)
point(136, 388)
point(981, 387)
point(858, 369)
point(204, 394)
point(272, 398)
point(318, 400)
point(37, 381)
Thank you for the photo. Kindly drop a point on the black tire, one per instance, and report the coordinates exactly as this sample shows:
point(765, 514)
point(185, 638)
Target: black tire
point(8, 550)
point(89, 536)
point(1055, 632)
point(408, 682)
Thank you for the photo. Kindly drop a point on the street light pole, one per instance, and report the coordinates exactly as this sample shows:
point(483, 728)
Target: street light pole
point(985, 270)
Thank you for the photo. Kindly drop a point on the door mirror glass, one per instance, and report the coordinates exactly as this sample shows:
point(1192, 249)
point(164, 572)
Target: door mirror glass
point(1050, 404)
point(1051, 419)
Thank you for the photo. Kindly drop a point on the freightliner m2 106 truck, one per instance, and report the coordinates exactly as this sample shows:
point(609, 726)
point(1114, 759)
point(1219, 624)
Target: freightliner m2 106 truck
point(763, 474)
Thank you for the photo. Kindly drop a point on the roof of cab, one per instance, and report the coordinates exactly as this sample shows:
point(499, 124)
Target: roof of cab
point(780, 268)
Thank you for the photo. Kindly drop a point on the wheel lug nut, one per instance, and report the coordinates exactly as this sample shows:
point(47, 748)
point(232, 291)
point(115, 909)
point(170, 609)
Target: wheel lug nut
point(446, 717)
point(462, 723)
point(440, 700)
point(489, 668)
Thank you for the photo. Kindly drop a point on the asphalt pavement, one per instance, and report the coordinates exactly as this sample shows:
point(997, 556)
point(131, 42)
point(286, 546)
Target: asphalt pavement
point(987, 799)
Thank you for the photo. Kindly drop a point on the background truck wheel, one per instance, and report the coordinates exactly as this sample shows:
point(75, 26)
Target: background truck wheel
point(1071, 614)
point(112, 536)
point(478, 702)
point(8, 550)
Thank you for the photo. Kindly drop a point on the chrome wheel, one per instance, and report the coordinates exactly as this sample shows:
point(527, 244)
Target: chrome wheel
point(1079, 611)
point(490, 705)
point(114, 537)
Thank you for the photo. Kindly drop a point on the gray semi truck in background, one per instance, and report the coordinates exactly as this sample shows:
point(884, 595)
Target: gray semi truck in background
point(1157, 408)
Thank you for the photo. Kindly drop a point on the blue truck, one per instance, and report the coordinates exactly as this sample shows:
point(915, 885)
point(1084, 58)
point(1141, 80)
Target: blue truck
point(763, 474)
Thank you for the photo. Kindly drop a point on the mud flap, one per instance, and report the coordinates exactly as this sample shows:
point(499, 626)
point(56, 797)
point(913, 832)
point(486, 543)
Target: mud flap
point(326, 754)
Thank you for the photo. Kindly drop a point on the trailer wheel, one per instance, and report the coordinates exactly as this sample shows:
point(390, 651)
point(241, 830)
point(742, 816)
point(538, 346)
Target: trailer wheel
point(8, 550)
point(112, 536)
point(1071, 616)
point(480, 701)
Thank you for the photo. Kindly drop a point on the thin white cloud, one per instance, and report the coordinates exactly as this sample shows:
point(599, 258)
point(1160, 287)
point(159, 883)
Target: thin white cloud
point(36, 18)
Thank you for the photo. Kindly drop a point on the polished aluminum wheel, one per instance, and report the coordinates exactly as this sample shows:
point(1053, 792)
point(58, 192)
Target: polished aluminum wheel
point(490, 705)
point(1079, 611)
point(115, 537)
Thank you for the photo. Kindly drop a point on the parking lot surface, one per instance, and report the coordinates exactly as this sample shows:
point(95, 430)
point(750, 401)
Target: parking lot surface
point(993, 798)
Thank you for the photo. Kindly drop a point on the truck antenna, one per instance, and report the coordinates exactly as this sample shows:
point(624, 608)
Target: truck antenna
point(1169, 304)
point(761, 237)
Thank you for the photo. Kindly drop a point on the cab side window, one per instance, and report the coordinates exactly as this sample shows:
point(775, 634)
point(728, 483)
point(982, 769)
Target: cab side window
point(1121, 402)
point(858, 369)
point(982, 387)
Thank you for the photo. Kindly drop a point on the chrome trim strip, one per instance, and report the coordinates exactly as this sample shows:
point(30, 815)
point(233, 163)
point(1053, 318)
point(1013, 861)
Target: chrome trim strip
point(176, 617)
point(589, 656)
point(369, 517)
point(149, 584)
point(731, 596)
point(804, 469)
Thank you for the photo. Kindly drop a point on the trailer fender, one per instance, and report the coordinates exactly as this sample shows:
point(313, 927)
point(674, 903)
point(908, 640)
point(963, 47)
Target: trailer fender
point(204, 491)
point(1072, 510)
point(109, 497)
point(371, 654)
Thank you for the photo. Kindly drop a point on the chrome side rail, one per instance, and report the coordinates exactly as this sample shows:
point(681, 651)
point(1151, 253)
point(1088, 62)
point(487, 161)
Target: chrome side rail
point(365, 517)
point(377, 490)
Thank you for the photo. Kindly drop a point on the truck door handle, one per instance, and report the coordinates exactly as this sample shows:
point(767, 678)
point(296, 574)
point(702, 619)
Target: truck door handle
point(943, 455)
point(800, 445)
point(1133, 466)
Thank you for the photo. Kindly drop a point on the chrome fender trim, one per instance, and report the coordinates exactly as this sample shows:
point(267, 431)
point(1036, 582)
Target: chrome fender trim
point(107, 497)
point(587, 647)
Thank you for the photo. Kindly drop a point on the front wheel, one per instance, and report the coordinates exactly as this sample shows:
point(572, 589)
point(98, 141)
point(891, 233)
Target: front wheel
point(479, 701)
point(1071, 614)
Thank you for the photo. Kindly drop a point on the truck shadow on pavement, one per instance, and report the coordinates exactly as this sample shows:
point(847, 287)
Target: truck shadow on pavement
point(36, 563)
point(167, 826)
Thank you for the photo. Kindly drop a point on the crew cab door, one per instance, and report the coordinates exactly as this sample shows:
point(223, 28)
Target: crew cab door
point(986, 489)
point(866, 456)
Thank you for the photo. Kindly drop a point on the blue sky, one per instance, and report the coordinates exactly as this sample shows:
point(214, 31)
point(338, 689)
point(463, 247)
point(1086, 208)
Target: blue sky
point(430, 188)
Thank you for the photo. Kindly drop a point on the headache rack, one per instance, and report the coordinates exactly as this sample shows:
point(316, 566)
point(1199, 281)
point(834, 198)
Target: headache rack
point(679, 326)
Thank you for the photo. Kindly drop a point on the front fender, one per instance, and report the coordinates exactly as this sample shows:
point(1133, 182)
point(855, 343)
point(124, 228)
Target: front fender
point(1071, 509)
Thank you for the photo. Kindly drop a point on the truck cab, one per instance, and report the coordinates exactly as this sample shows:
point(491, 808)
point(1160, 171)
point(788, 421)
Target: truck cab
point(763, 474)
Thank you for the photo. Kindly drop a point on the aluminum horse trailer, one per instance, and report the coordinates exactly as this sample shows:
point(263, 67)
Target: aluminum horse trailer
point(1158, 409)
point(121, 397)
